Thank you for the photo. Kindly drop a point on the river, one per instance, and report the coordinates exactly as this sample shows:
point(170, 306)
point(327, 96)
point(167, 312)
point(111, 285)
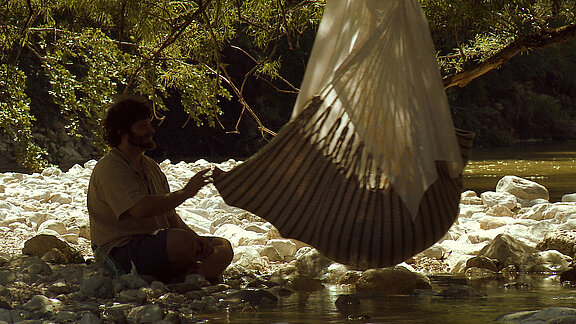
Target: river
point(553, 165)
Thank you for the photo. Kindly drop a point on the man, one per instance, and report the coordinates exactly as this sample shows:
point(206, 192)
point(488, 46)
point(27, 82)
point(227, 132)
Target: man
point(132, 211)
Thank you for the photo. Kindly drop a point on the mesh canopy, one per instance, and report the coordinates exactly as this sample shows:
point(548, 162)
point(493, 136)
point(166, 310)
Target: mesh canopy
point(368, 169)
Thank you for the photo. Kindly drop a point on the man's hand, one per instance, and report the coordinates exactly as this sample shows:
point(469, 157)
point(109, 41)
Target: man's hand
point(217, 173)
point(196, 183)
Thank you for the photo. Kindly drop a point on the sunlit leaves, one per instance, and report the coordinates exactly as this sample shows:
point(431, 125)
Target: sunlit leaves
point(469, 32)
point(15, 118)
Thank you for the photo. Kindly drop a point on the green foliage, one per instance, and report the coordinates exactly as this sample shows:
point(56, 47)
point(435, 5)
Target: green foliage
point(65, 60)
point(15, 118)
point(469, 32)
point(86, 51)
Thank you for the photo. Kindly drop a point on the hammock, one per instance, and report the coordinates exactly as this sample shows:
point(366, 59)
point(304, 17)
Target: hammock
point(368, 170)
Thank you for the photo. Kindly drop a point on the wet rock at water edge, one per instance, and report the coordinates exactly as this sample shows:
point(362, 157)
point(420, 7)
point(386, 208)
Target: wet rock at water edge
point(563, 241)
point(254, 296)
point(398, 280)
point(347, 302)
point(546, 315)
point(482, 262)
point(506, 250)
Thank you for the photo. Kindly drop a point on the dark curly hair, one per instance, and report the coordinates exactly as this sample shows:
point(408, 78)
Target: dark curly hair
point(122, 114)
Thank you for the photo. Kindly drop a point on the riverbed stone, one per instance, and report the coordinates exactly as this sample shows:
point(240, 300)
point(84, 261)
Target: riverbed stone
point(145, 314)
point(537, 316)
point(491, 198)
point(546, 261)
point(41, 244)
point(522, 188)
point(483, 262)
point(563, 241)
point(310, 262)
point(98, 286)
point(461, 291)
point(470, 197)
point(561, 212)
point(396, 280)
point(507, 250)
point(569, 197)
point(535, 212)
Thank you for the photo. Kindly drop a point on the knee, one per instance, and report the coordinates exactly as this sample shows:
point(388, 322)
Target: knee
point(227, 253)
point(181, 243)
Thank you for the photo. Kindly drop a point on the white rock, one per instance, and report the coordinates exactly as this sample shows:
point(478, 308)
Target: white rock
point(62, 198)
point(522, 188)
point(238, 236)
point(560, 212)
point(536, 212)
point(569, 198)
point(499, 211)
point(248, 257)
point(51, 172)
point(505, 199)
point(490, 222)
point(469, 210)
point(470, 198)
point(285, 248)
point(546, 261)
point(54, 225)
point(436, 251)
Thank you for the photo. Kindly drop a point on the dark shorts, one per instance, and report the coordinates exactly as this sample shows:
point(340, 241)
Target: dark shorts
point(148, 253)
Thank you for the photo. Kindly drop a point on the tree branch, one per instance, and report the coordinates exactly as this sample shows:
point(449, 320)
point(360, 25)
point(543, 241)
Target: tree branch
point(542, 40)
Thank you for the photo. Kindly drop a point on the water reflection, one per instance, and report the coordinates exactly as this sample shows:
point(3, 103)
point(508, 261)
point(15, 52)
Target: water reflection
point(552, 165)
point(534, 292)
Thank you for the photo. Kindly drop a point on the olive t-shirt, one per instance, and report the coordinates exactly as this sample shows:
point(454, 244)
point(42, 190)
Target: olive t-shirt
point(114, 188)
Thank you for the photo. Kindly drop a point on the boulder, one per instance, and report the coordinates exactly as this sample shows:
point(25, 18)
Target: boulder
point(396, 280)
point(546, 261)
point(310, 262)
point(482, 262)
point(561, 240)
point(522, 188)
point(41, 244)
point(507, 250)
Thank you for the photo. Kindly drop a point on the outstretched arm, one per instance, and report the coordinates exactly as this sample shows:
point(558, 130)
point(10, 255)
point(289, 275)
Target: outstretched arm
point(154, 205)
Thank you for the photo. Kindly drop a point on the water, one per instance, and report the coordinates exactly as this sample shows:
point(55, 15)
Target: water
point(552, 165)
point(539, 291)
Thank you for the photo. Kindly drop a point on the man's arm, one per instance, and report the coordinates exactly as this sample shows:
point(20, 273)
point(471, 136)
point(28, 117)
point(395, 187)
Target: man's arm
point(154, 205)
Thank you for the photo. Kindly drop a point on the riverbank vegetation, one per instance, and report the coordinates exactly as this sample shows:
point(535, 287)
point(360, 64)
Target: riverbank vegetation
point(224, 74)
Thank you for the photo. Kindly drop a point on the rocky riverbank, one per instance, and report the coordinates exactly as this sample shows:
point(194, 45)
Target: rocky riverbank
point(47, 273)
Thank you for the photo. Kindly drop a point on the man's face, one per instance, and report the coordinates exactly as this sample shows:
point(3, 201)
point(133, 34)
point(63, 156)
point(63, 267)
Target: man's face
point(141, 135)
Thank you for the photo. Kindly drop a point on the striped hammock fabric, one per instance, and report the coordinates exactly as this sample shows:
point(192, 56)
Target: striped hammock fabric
point(368, 171)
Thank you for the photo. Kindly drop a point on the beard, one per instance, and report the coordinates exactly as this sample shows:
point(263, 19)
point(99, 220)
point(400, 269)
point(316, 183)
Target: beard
point(144, 142)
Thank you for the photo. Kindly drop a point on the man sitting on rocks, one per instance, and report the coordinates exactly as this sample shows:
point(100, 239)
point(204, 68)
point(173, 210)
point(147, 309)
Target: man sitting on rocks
point(133, 220)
